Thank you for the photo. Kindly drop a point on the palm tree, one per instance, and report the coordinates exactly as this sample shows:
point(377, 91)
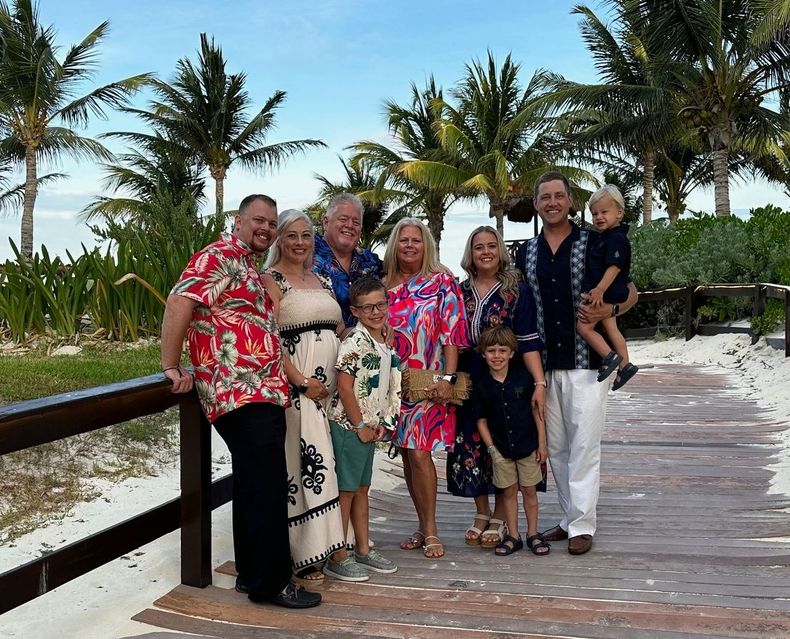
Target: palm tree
point(493, 139)
point(414, 131)
point(736, 58)
point(36, 89)
point(12, 197)
point(206, 111)
point(631, 108)
point(157, 171)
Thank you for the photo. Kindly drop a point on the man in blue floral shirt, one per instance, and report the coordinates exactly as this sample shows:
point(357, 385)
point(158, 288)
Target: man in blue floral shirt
point(337, 253)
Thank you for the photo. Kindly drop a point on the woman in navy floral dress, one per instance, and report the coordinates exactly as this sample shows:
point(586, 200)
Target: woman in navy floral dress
point(493, 294)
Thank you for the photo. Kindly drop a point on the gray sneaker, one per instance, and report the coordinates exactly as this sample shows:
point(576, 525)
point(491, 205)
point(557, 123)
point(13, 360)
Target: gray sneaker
point(346, 570)
point(374, 560)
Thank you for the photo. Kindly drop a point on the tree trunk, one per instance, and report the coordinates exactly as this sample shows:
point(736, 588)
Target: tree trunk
point(721, 181)
point(220, 195)
point(31, 191)
point(672, 212)
point(647, 181)
point(436, 226)
point(218, 172)
point(497, 211)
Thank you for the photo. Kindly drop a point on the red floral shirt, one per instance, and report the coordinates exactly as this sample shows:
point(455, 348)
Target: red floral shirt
point(233, 338)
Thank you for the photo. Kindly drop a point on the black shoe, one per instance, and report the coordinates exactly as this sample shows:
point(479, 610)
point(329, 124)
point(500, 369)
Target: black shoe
point(294, 596)
point(241, 586)
point(609, 365)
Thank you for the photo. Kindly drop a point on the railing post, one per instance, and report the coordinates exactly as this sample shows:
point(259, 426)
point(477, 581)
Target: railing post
point(787, 322)
point(691, 311)
point(758, 305)
point(195, 494)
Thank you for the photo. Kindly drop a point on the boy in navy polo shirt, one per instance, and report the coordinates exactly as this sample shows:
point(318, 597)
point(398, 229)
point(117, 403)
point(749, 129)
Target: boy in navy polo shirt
point(515, 434)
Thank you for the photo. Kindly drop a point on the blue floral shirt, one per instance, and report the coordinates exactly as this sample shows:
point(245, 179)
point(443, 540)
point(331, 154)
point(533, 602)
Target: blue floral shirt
point(363, 262)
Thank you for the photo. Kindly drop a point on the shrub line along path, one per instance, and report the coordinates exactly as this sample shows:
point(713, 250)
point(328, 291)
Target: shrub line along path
point(690, 543)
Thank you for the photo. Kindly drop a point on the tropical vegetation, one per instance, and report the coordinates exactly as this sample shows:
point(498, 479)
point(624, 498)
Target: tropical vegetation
point(38, 90)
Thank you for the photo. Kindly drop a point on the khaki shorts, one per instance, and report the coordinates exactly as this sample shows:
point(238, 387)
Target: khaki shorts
point(525, 471)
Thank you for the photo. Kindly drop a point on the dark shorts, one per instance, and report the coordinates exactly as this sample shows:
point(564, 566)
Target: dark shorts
point(353, 458)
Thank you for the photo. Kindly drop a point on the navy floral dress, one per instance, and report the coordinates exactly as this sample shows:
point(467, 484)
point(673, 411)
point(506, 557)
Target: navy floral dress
point(469, 468)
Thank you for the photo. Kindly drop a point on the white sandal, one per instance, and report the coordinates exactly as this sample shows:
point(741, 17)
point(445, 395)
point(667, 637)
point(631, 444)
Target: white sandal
point(499, 531)
point(475, 541)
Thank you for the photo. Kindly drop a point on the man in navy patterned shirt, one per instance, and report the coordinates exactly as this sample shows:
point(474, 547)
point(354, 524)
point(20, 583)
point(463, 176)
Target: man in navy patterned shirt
point(554, 264)
point(337, 253)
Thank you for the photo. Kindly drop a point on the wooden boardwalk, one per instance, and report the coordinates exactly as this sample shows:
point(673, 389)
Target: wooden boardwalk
point(690, 544)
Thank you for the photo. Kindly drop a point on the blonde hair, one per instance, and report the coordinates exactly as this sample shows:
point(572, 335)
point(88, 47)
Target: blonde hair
point(508, 276)
point(284, 221)
point(607, 190)
point(430, 258)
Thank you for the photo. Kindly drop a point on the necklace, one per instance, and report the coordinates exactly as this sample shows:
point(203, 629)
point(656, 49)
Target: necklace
point(293, 274)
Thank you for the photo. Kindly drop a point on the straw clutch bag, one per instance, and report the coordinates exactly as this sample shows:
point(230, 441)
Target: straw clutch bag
point(417, 380)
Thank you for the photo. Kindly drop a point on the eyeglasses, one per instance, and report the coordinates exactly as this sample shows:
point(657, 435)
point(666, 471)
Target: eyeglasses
point(367, 309)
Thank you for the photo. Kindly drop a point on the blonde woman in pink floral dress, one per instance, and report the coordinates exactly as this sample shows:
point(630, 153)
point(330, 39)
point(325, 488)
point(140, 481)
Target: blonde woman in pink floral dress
point(427, 316)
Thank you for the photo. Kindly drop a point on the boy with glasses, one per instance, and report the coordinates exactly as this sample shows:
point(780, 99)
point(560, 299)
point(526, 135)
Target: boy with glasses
point(364, 410)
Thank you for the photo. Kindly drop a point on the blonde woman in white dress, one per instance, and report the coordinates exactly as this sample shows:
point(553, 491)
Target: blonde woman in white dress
point(308, 317)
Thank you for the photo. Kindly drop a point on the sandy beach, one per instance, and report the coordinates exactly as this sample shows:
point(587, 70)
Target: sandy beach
point(100, 604)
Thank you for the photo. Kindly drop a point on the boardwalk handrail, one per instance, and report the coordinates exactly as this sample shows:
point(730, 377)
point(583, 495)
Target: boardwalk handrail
point(692, 295)
point(49, 419)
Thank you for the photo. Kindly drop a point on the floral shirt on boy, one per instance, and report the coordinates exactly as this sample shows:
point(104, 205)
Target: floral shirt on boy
point(233, 339)
point(363, 358)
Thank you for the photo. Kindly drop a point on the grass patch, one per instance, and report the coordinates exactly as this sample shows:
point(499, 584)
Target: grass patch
point(44, 483)
point(37, 374)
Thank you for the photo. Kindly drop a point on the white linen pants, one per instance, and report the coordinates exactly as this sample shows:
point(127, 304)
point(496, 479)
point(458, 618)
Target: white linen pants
point(575, 415)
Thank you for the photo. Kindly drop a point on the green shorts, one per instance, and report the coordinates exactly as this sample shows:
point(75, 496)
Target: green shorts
point(353, 458)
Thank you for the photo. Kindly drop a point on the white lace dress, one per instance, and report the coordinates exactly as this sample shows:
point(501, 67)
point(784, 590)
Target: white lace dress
point(308, 321)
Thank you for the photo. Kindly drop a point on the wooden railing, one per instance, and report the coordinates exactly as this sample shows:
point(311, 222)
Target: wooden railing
point(41, 421)
point(47, 420)
point(692, 297)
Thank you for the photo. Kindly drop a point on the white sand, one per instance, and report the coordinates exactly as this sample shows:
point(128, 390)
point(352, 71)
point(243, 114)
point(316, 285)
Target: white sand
point(100, 604)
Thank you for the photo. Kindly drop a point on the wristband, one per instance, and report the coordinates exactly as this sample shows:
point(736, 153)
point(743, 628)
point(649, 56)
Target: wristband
point(615, 309)
point(361, 424)
point(491, 448)
point(171, 368)
point(543, 383)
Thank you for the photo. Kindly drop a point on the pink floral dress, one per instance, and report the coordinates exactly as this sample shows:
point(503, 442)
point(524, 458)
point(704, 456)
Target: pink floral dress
point(426, 313)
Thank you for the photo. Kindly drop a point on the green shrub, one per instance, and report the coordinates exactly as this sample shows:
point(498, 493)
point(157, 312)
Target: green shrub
point(771, 319)
point(710, 250)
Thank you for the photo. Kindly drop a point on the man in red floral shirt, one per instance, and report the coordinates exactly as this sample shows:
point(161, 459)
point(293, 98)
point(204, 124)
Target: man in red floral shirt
point(221, 306)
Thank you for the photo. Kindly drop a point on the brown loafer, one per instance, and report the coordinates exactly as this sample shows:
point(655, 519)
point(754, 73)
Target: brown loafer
point(580, 544)
point(555, 534)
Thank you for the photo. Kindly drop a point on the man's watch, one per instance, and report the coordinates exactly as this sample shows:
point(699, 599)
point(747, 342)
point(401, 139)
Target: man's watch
point(450, 377)
point(615, 309)
point(302, 388)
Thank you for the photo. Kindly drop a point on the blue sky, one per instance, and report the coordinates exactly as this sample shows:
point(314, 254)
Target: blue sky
point(338, 61)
